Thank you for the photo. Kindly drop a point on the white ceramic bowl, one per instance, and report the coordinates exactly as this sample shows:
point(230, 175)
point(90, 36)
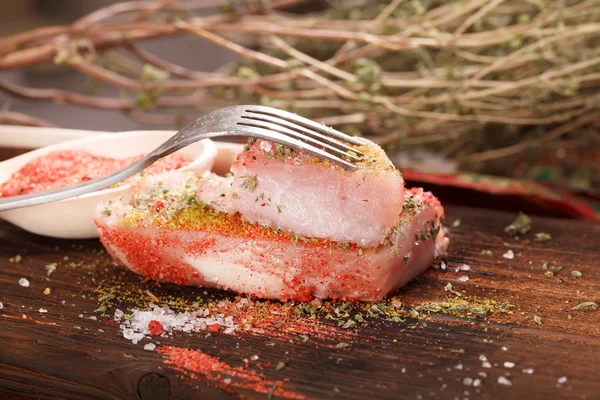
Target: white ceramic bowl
point(73, 218)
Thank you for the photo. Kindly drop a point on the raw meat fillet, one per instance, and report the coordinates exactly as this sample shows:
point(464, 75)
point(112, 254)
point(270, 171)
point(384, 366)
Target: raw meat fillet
point(162, 230)
point(278, 187)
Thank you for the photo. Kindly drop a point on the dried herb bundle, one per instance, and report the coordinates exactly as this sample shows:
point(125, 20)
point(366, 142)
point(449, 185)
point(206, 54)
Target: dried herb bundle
point(483, 83)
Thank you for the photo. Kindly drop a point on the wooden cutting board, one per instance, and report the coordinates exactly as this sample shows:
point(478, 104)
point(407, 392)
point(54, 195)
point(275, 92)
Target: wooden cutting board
point(536, 347)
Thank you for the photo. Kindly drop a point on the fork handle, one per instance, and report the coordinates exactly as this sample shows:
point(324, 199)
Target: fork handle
point(79, 189)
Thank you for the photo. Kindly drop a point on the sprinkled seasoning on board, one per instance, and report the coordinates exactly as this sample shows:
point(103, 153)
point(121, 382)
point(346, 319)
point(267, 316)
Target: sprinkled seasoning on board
point(217, 373)
point(327, 322)
point(520, 226)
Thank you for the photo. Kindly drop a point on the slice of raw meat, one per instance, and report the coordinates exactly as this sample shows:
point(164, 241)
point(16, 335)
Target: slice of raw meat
point(162, 231)
point(278, 187)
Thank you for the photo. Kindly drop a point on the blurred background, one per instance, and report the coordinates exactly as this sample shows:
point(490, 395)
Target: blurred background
point(489, 103)
point(24, 15)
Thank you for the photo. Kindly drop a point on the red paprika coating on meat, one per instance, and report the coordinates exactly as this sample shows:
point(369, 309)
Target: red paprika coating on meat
point(68, 167)
point(180, 241)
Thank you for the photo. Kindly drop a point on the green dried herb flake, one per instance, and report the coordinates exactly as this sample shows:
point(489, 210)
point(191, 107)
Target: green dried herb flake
point(537, 320)
point(409, 204)
point(250, 182)
point(50, 268)
point(101, 309)
point(108, 296)
point(542, 237)
point(349, 324)
point(271, 391)
point(586, 305)
point(341, 345)
point(520, 226)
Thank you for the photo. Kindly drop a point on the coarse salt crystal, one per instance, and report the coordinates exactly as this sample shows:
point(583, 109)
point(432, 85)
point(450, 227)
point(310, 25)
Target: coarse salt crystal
point(265, 146)
point(508, 364)
point(1, 305)
point(149, 346)
point(482, 358)
point(443, 266)
point(171, 321)
point(254, 358)
point(463, 278)
point(227, 381)
point(482, 374)
point(24, 282)
point(465, 267)
point(43, 310)
point(93, 318)
point(528, 371)
point(128, 333)
point(458, 366)
point(468, 381)
point(137, 337)
point(561, 380)
point(503, 381)
point(504, 348)
point(119, 314)
point(509, 255)
point(476, 382)
point(486, 364)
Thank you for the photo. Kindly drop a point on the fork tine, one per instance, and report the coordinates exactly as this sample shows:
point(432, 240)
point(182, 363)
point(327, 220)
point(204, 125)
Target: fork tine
point(305, 122)
point(282, 129)
point(303, 131)
point(256, 131)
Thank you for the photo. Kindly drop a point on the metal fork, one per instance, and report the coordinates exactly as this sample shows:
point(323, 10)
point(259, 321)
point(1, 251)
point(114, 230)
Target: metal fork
point(251, 121)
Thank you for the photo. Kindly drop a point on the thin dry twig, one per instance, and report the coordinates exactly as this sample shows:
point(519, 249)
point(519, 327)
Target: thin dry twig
point(16, 118)
point(584, 119)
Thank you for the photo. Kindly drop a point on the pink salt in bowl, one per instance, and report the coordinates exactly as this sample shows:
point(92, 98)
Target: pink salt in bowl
point(73, 218)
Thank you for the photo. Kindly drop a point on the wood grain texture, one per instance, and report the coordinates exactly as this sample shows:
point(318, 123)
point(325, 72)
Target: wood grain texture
point(62, 355)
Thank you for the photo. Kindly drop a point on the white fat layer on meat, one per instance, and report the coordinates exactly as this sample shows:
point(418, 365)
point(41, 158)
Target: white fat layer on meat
point(319, 201)
point(226, 271)
point(324, 207)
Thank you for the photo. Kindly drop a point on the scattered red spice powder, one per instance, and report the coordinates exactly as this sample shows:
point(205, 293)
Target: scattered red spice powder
point(215, 372)
point(155, 328)
point(280, 321)
point(68, 167)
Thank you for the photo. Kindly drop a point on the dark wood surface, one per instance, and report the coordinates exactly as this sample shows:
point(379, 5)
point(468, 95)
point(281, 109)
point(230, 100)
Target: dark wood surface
point(59, 355)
